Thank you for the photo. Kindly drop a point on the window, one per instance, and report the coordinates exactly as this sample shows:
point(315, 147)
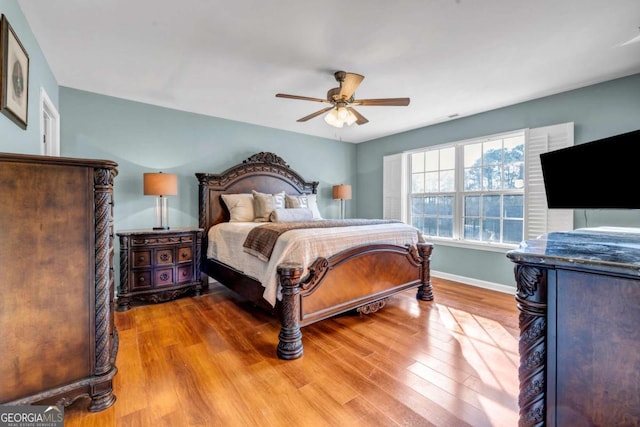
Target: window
point(486, 191)
point(490, 197)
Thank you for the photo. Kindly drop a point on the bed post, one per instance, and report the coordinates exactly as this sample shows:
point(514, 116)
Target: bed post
point(425, 291)
point(290, 344)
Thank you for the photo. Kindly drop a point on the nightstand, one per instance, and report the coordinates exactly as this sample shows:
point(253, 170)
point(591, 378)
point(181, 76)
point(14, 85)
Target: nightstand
point(158, 265)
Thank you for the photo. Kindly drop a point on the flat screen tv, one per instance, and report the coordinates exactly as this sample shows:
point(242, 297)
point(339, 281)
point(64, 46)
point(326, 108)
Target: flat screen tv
point(602, 174)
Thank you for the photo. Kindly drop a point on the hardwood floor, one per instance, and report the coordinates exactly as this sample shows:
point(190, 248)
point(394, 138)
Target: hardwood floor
point(210, 361)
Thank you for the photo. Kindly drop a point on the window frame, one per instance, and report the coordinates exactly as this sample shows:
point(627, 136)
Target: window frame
point(459, 193)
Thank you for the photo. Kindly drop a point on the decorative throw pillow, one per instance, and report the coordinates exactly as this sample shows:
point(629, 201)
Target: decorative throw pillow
point(291, 215)
point(264, 204)
point(240, 207)
point(293, 202)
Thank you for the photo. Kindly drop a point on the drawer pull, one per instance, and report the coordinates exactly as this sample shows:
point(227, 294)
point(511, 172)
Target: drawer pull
point(140, 258)
point(184, 254)
point(164, 276)
point(141, 279)
point(164, 257)
point(185, 273)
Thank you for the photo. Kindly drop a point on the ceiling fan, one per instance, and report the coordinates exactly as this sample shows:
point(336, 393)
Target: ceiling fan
point(342, 101)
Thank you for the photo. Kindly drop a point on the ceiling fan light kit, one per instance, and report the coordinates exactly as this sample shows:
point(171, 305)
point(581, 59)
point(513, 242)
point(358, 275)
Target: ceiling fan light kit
point(342, 100)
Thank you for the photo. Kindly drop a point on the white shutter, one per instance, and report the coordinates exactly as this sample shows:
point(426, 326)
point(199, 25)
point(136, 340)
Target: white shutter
point(538, 218)
point(394, 187)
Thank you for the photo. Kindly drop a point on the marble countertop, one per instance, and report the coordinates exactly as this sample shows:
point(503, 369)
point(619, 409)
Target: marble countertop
point(594, 248)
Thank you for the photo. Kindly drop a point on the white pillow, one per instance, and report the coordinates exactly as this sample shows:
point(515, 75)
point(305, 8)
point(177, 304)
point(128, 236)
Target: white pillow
point(240, 207)
point(264, 204)
point(313, 205)
point(304, 201)
point(291, 215)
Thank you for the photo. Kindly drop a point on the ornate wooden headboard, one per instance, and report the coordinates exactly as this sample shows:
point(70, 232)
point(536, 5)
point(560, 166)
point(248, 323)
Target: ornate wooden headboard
point(263, 172)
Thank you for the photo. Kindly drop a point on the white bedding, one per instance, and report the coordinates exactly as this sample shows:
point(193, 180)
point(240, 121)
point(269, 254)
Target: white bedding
point(298, 246)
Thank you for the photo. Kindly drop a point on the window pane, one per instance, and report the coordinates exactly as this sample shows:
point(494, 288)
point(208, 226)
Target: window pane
point(417, 206)
point(472, 179)
point(417, 183)
point(514, 149)
point(492, 152)
point(513, 231)
point(472, 229)
point(431, 206)
point(431, 182)
point(514, 176)
point(491, 230)
point(492, 178)
point(448, 158)
point(472, 206)
point(448, 181)
point(417, 162)
point(513, 207)
point(472, 155)
point(491, 206)
point(431, 160)
point(445, 227)
point(417, 222)
point(445, 205)
point(430, 226)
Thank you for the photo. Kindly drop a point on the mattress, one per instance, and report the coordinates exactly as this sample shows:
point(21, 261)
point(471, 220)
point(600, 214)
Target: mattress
point(298, 246)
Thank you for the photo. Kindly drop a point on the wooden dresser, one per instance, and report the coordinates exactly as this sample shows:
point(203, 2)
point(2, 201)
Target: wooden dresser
point(58, 341)
point(579, 299)
point(158, 265)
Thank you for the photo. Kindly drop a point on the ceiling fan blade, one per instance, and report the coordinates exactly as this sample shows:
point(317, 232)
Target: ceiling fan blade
point(312, 115)
point(361, 119)
point(303, 98)
point(399, 102)
point(349, 85)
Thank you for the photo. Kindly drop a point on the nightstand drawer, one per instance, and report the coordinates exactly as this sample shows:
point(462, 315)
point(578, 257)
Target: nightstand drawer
point(184, 273)
point(164, 256)
point(141, 280)
point(141, 259)
point(185, 254)
point(164, 277)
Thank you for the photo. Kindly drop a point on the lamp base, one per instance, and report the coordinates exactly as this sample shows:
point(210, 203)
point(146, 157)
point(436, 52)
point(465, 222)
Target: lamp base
point(162, 214)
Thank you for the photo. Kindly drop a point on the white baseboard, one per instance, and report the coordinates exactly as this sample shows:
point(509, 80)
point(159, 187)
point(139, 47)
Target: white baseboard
point(474, 282)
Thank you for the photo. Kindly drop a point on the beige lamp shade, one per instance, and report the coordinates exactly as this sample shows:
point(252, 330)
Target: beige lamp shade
point(342, 192)
point(160, 184)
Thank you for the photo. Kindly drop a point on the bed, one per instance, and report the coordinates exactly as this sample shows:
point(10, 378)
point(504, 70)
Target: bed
point(358, 276)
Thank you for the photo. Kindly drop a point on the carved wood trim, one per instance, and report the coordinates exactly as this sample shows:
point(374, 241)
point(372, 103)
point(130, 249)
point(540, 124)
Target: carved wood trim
point(425, 290)
point(531, 298)
point(103, 200)
point(290, 337)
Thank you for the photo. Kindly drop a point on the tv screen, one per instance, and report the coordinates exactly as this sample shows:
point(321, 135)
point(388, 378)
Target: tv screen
point(602, 174)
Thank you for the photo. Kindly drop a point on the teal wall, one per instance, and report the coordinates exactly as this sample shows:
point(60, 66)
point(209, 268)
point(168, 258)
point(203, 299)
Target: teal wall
point(146, 138)
point(14, 139)
point(597, 111)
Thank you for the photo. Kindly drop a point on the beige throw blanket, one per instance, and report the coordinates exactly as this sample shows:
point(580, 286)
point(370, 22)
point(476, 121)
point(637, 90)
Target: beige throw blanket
point(261, 240)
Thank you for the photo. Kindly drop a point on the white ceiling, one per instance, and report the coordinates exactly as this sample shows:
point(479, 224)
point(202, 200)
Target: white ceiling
point(229, 58)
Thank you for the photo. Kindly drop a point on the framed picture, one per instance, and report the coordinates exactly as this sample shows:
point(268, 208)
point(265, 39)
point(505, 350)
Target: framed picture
point(14, 75)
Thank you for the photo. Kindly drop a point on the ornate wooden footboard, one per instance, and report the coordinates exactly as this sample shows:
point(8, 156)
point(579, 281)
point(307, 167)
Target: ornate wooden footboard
point(359, 278)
